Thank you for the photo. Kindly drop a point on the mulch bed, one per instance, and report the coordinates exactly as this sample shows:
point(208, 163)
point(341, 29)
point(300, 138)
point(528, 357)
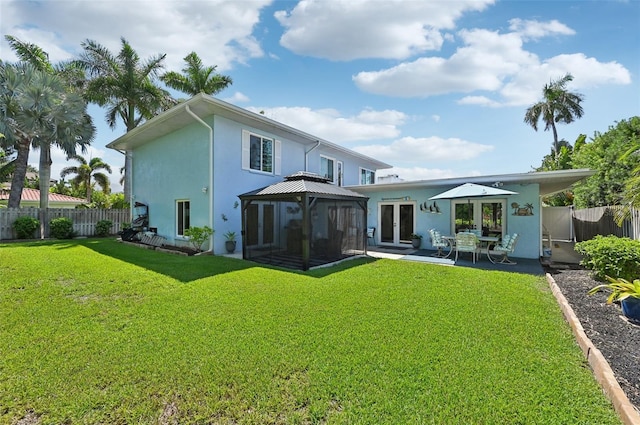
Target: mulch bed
point(613, 335)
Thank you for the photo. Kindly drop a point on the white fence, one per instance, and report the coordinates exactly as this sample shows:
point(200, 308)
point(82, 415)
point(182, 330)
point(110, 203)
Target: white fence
point(84, 220)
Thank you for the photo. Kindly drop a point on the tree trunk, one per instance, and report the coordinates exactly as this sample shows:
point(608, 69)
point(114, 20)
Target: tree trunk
point(45, 174)
point(20, 172)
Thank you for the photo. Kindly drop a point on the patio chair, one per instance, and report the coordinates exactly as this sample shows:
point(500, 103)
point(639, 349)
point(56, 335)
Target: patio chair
point(438, 242)
point(506, 247)
point(467, 242)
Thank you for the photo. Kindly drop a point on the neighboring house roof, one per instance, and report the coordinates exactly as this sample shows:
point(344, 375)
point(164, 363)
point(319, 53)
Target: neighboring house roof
point(550, 181)
point(303, 183)
point(203, 106)
point(33, 195)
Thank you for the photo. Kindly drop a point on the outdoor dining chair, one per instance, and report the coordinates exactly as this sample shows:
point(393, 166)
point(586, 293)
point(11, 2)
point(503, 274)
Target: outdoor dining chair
point(467, 242)
point(438, 242)
point(506, 247)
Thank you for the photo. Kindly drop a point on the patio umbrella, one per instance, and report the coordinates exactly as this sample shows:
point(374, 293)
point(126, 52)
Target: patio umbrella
point(472, 190)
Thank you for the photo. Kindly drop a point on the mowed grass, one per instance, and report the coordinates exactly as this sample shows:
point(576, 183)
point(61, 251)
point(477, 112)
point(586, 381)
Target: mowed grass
point(95, 331)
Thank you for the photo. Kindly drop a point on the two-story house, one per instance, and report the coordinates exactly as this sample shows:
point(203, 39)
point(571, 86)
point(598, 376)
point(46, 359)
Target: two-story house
point(190, 163)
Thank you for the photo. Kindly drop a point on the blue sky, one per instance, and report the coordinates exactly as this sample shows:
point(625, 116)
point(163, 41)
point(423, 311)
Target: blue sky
point(435, 88)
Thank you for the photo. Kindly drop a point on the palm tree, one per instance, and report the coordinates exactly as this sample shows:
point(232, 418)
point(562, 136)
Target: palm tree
point(86, 172)
point(73, 78)
point(196, 78)
point(36, 109)
point(126, 85)
point(559, 105)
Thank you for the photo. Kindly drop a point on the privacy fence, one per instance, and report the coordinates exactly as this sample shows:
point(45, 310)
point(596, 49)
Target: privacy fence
point(84, 220)
point(590, 222)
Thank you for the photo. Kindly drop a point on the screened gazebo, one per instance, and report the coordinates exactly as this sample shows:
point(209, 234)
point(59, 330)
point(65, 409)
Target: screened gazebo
point(303, 222)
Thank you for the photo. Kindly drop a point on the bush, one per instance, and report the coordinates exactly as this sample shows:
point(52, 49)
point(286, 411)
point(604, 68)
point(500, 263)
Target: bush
point(611, 256)
point(103, 227)
point(198, 235)
point(25, 227)
point(61, 228)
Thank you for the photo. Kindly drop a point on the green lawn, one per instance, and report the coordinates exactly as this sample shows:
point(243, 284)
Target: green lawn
point(94, 331)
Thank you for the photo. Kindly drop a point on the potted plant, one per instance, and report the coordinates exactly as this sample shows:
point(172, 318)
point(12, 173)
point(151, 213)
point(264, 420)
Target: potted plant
point(416, 240)
point(230, 243)
point(628, 293)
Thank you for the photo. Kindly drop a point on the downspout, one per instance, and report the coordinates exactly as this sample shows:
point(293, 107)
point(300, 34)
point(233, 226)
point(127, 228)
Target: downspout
point(128, 176)
point(306, 155)
point(211, 188)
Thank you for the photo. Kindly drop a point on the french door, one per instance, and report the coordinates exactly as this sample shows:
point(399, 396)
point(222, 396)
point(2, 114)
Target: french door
point(396, 222)
point(487, 215)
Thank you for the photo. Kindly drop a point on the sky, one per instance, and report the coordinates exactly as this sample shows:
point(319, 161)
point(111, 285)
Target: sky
point(435, 88)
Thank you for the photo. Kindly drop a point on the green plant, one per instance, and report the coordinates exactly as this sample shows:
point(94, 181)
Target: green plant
point(198, 235)
point(611, 256)
point(415, 236)
point(620, 289)
point(25, 227)
point(103, 227)
point(61, 228)
point(125, 225)
point(230, 236)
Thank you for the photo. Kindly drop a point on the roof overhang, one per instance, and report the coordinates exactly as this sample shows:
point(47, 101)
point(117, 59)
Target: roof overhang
point(550, 182)
point(204, 106)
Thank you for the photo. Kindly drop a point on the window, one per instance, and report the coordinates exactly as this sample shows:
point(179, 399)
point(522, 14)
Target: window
point(183, 216)
point(327, 168)
point(260, 153)
point(367, 176)
point(340, 173)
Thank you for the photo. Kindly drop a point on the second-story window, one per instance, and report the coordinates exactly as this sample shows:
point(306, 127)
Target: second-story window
point(327, 168)
point(260, 153)
point(367, 176)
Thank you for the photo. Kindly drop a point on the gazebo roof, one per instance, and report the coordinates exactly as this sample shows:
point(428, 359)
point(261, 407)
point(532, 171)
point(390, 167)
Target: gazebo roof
point(301, 183)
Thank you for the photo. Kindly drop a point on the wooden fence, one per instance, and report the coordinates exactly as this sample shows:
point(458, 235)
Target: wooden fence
point(590, 222)
point(84, 220)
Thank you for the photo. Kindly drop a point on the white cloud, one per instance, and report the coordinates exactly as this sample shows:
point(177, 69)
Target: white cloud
point(354, 29)
point(176, 28)
point(536, 29)
point(425, 149)
point(330, 125)
point(237, 97)
point(492, 62)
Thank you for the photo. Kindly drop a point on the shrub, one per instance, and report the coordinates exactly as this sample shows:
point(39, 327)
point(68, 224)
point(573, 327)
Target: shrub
point(103, 227)
point(25, 227)
point(61, 228)
point(611, 256)
point(198, 235)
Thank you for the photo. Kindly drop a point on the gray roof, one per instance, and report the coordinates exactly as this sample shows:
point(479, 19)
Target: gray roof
point(303, 183)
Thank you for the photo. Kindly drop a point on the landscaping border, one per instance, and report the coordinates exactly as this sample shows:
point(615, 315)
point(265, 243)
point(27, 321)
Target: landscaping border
point(599, 365)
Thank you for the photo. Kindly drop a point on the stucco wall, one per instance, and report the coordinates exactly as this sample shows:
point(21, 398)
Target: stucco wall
point(528, 227)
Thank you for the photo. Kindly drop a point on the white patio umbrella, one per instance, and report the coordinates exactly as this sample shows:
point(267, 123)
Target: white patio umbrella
point(472, 190)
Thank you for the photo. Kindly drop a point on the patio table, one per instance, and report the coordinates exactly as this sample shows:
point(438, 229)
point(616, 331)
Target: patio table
point(487, 239)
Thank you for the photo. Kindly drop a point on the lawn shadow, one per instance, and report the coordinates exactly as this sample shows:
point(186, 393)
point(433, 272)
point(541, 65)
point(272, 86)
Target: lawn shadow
point(190, 268)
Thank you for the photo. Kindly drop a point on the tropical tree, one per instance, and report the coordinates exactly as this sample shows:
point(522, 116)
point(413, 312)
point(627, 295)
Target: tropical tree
point(196, 78)
point(35, 109)
point(611, 156)
point(73, 78)
point(126, 86)
point(558, 106)
point(87, 174)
